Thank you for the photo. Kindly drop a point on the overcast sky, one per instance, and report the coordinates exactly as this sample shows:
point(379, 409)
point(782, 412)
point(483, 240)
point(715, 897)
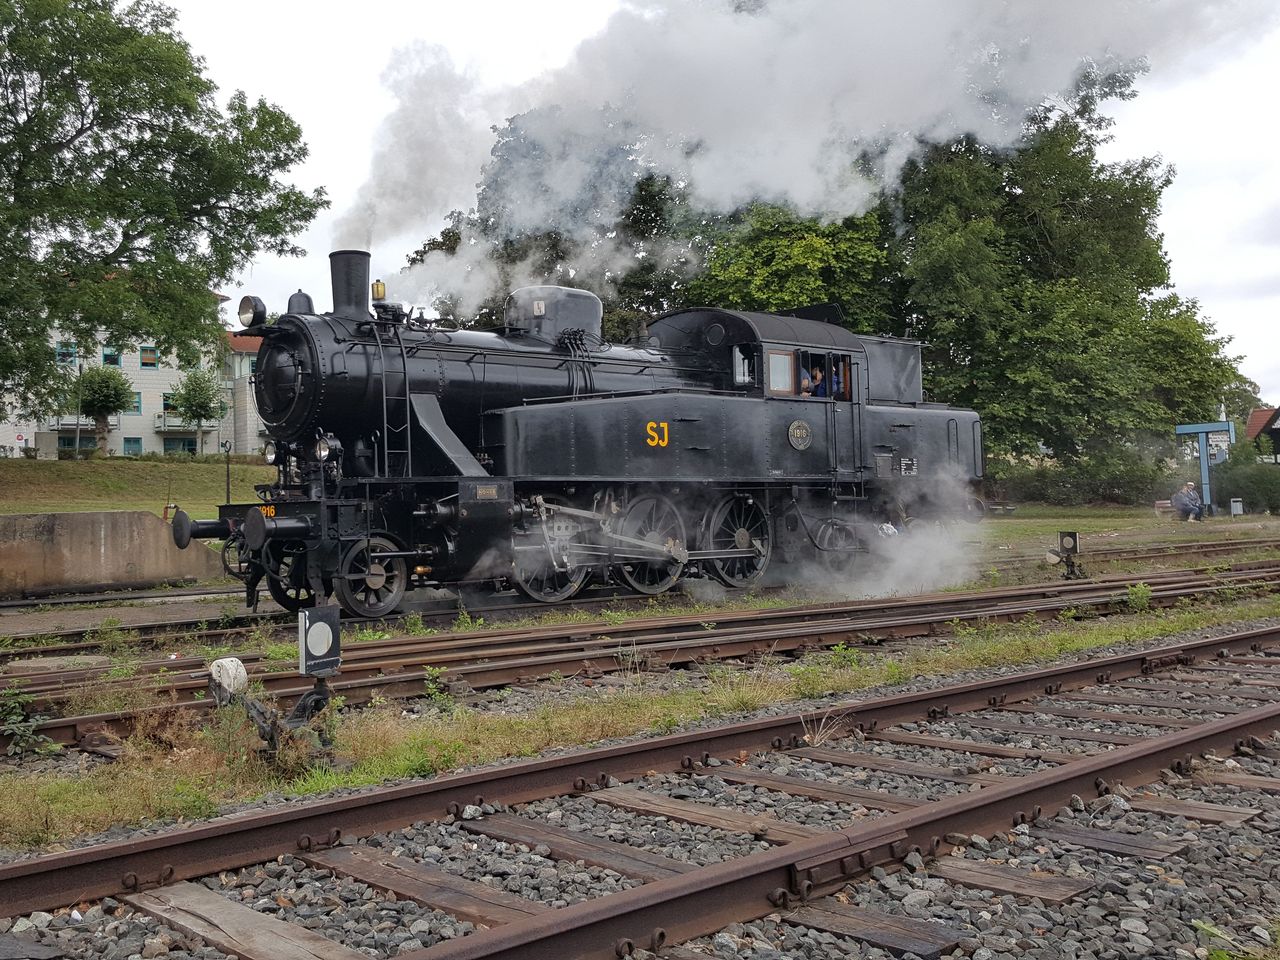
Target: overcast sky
point(323, 62)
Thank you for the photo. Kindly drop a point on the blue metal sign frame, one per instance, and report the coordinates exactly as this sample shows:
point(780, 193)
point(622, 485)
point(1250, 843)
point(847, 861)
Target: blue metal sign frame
point(1201, 432)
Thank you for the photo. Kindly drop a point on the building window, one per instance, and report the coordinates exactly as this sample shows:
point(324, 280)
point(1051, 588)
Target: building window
point(133, 446)
point(137, 405)
point(180, 445)
point(66, 351)
point(168, 404)
point(69, 442)
point(110, 357)
point(148, 357)
point(253, 364)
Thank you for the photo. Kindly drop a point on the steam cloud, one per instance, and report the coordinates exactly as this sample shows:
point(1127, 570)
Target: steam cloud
point(750, 99)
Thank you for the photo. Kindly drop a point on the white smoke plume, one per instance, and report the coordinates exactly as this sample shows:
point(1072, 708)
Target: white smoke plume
point(758, 100)
point(429, 153)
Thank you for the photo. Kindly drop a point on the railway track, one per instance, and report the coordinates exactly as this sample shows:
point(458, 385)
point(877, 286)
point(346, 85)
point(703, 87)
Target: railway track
point(402, 667)
point(1162, 551)
point(162, 631)
point(892, 783)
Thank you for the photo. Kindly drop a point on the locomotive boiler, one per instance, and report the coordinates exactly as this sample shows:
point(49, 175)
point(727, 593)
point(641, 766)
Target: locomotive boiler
point(536, 455)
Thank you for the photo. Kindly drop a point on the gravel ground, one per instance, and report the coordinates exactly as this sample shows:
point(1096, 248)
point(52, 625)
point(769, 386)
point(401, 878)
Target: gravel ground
point(1037, 721)
point(109, 931)
point(1228, 879)
point(339, 908)
point(1169, 711)
point(510, 867)
point(63, 763)
point(679, 841)
point(711, 790)
point(911, 788)
point(962, 761)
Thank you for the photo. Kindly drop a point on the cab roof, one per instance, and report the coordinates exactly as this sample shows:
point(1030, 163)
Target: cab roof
point(695, 325)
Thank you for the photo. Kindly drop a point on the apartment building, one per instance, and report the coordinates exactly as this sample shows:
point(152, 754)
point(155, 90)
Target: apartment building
point(150, 425)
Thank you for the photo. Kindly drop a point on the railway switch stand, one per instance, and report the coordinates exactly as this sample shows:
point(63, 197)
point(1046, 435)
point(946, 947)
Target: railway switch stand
point(229, 686)
point(1066, 553)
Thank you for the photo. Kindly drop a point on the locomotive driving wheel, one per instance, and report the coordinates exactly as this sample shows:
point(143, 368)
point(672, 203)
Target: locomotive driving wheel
point(656, 520)
point(287, 575)
point(836, 545)
point(370, 585)
point(542, 569)
point(739, 523)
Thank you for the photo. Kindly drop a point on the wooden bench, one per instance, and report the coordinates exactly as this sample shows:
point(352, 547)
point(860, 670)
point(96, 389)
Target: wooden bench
point(1164, 508)
point(999, 508)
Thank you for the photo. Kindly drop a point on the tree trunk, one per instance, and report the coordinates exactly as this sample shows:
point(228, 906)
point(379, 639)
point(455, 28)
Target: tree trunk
point(101, 427)
point(200, 435)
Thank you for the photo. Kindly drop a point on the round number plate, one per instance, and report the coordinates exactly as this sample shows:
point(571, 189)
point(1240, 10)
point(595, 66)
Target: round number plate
point(800, 434)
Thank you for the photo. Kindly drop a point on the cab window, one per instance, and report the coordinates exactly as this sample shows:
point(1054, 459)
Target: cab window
point(829, 375)
point(782, 372)
point(744, 365)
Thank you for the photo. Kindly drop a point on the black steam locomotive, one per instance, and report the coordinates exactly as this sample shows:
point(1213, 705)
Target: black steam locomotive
point(535, 455)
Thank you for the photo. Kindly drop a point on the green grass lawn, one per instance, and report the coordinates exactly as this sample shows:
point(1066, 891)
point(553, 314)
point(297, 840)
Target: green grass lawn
point(73, 486)
point(1037, 525)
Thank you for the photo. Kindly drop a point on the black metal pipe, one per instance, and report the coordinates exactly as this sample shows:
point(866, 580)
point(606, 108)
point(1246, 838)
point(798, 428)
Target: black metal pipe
point(349, 271)
point(185, 529)
point(258, 529)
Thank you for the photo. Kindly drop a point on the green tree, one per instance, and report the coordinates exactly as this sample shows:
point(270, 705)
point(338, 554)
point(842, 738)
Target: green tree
point(769, 259)
point(197, 397)
point(99, 393)
point(126, 192)
point(1038, 279)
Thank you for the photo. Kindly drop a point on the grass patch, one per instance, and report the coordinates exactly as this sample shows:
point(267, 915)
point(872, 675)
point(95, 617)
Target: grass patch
point(1037, 526)
point(1234, 950)
point(181, 772)
point(56, 486)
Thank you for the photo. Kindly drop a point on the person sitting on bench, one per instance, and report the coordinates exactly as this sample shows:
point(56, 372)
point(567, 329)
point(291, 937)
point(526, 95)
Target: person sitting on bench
point(1187, 502)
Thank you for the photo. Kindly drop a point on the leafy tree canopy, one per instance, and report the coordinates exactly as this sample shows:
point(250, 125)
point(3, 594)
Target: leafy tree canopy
point(197, 397)
point(99, 393)
point(1038, 278)
point(126, 193)
point(769, 259)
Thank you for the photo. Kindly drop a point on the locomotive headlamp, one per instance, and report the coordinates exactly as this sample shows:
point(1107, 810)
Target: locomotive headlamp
point(322, 449)
point(269, 452)
point(252, 311)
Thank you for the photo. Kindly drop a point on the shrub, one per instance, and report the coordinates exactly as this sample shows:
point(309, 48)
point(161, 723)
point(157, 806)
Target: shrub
point(1122, 475)
point(1257, 484)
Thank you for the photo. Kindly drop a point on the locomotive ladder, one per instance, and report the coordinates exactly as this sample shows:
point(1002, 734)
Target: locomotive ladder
point(395, 428)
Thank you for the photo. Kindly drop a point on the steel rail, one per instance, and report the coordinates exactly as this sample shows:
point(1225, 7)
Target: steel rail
point(376, 657)
point(1150, 552)
point(444, 610)
point(402, 678)
point(703, 901)
point(466, 647)
point(107, 869)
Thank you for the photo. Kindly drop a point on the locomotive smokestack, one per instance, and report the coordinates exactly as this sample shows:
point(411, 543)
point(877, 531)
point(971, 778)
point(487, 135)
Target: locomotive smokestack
point(350, 272)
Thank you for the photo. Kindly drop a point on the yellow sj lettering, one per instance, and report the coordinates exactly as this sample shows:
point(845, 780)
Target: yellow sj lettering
point(268, 510)
point(659, 434)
